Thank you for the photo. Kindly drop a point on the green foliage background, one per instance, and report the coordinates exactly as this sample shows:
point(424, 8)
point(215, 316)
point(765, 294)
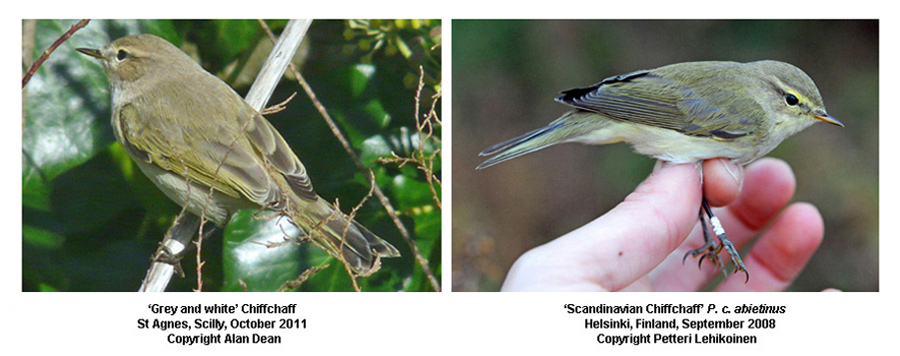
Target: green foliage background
point(507, 72)
point(91, 220)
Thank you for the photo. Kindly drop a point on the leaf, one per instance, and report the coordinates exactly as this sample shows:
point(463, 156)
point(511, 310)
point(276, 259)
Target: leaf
point(359, 77)
point(163, 28)
point(42, 238)
point(416, 200)
point(373, 148)
point(236, 36)
point(411, 193)
point(250, 254)
point(377, 113)
point(89, 196)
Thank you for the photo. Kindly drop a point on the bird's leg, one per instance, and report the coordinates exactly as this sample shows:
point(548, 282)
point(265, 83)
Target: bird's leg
point(713, 253)
point(708, 247)
point(724, 243)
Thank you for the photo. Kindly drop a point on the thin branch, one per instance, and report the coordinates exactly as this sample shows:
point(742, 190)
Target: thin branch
point(295, 283)
point(336, 215)
point(277, 107)
point(200, 261)
point(350, 218)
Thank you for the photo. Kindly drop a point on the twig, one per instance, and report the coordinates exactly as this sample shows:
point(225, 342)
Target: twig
point(418, 158)
point(350, 218)
point(37, 64)
point(338, 255)
point(294, 283)
point(429, 168)
point(200, 261)
point(277, 107)
point(421, 260)
point(212, 190)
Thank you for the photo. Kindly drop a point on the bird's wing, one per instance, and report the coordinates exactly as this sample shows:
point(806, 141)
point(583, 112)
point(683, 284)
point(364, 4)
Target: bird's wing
point(645, 98)
point(276, 151)
point(215, 154)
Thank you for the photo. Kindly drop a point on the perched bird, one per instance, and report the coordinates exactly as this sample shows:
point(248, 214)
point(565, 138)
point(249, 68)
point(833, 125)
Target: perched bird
point(211, 152)
point(682, 113)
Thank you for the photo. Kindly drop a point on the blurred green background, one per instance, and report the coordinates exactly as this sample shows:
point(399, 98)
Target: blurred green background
point(506, 74)
point(91, 220)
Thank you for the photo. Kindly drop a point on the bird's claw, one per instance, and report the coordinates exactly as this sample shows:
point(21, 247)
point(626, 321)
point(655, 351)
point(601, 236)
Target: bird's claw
point(705, 250)
point(710, 251)
point(735, 258)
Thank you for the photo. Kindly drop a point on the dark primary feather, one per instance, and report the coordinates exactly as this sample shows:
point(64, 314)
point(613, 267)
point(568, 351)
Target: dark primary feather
point(574, 94)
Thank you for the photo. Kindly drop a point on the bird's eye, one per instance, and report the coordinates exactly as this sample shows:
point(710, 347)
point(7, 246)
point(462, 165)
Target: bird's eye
point(121, 55)
point(791, 100)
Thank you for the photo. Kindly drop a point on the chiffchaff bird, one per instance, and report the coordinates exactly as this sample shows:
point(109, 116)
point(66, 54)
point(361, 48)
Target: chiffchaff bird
point(212, 153)
point(685, 112)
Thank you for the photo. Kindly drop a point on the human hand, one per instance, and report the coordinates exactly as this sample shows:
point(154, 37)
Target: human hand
point(639, 244)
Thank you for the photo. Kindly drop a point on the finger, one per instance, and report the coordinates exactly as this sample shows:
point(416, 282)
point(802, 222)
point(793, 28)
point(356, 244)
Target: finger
point(770, 185)
point(767, 186)
point(624, 244)
point(774, 186)
point(722, 179)
point(780, 254)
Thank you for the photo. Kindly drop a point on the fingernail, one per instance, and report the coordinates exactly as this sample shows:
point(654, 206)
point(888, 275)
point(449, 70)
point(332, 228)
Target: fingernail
point(659, 165)
point(735, 170)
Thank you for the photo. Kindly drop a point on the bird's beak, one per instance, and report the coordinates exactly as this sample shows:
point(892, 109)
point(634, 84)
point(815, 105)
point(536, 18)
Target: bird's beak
point(822, 115)
point(91, 52)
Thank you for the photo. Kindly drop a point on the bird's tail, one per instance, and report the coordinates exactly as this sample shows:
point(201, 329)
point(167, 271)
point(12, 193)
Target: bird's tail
point(347, 240)
point(558, 131)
